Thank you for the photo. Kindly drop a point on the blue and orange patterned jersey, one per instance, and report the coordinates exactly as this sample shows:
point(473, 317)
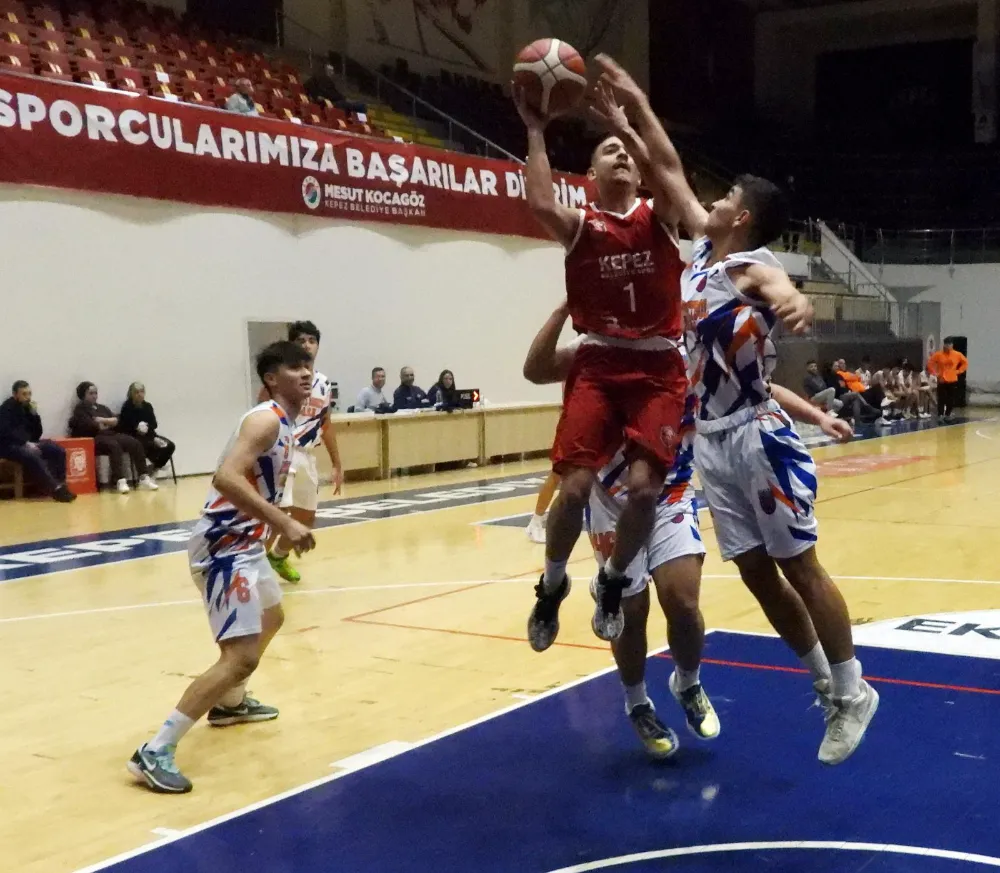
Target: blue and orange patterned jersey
point(728, 335)
point(223, 531)
point(315, 413)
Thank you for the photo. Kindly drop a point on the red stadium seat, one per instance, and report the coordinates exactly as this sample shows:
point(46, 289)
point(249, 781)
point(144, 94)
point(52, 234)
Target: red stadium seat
point(59, 59)
point(13, 11)
point(189, 89)
point(51, 40)
point(281, 106)
point(121, 54)
point(15, 33)
point(47, 17)
point(81, 20)
point(114, 32)
point(88, 48)
point(128, 79)
point(89, 68)
point(17, 56)
point(164, 91)
point(310, 113)
point(187, 70)
point(61, 71)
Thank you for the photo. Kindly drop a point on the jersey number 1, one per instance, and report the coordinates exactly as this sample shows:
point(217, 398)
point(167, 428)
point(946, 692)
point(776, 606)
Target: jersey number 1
point(631, 295)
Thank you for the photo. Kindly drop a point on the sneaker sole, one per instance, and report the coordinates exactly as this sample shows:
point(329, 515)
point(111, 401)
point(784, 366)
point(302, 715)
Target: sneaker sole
point(241, 719)
point(861, 735)
point(655, 755)
point(691, 729)
point(142, 775)
point(612, 636)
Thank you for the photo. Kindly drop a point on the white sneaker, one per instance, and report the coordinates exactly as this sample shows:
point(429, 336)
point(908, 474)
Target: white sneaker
point(882, 421)
point(846, 723)
point(536, 530)
point(122, 486)
point(147, 484)
point(924, 415)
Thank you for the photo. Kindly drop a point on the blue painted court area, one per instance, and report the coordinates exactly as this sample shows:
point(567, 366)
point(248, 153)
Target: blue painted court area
point(561, 784)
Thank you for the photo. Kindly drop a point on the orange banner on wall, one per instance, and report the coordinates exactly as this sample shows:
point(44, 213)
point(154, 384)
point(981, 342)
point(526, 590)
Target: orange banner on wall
point(73, 136)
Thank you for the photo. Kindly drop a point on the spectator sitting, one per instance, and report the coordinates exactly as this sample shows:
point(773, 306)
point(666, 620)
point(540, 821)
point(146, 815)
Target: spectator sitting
point(818, 392)
point(91, 419)
point(43, 461)
point(865, 372)
point(373, 396)
point(321, 86)
point(242, 101)
point(443, 393)
point(851, 392)
point(138, 419)
point(408, 395)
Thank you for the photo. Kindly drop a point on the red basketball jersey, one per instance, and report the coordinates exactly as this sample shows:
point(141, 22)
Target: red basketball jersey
point(623, 275)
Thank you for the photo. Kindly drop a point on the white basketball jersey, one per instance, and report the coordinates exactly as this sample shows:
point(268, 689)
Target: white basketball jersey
point(728, 335)
point(223, 531)
point(315, 413)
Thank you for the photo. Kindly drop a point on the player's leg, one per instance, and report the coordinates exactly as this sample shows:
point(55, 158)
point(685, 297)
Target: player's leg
point(536, 527)
point(584, 437)
point(652, 407)
point(235, 604)
point(783, 476)
point(630, 651)
point(300, 500)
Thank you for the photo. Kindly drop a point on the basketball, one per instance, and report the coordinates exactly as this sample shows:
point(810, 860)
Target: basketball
point(553, 76)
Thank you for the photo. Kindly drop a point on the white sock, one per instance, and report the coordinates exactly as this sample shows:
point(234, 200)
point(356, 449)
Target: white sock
point(611, 571)
point(846, 679)
point(816, 663)
point(555, 572)
point(687, 678)
point(234, 696)
point(172, 732)
point(279, 552)
point(635, 695)
point(538, 519)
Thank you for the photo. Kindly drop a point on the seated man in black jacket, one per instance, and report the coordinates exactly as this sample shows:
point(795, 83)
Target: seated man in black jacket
point(408, 395)
point(43, 461)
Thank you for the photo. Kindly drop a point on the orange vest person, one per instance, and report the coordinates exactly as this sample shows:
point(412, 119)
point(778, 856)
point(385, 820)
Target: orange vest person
point(947, 365)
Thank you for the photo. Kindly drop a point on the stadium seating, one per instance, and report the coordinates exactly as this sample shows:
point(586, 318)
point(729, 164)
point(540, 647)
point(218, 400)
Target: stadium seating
point(127, 45)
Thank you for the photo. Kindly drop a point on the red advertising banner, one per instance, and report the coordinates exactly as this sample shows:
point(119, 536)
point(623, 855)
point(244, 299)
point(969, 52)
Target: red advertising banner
point(113, 142)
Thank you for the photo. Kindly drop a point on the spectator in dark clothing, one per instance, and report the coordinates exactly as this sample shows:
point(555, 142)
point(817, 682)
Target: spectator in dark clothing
point(408, 395)
point(443, 393)
point(91, 419)
point(817, 391)
point(138, 419)
point(321, 86)
point(43, 461)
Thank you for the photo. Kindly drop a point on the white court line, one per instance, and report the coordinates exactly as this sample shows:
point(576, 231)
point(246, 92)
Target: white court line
point(829, 845)
point(352, 589)
point(261, 804)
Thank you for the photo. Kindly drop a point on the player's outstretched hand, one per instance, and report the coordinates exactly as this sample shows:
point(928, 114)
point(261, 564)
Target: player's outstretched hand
point(837, 428)
point(796, 313)
point(338, 480)
point(299, 536)
point(604, 109)
point(532, 119)
point(626, 89)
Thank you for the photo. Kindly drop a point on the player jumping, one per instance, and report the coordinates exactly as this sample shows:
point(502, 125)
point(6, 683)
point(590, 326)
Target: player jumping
point(627, 381)
point(228, 564)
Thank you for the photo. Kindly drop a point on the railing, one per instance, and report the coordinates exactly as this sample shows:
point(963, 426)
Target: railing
point(456, 134)
point(945, 246)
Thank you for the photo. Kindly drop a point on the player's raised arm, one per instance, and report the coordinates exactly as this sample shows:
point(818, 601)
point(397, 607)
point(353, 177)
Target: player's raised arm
point(561, 222)
point(545, 362)
point(236, 473)
point(803, 410)
point(665, 176)
point(771, 285)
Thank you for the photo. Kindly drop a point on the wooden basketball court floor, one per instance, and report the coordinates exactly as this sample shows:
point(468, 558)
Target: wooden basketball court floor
point(402, 627)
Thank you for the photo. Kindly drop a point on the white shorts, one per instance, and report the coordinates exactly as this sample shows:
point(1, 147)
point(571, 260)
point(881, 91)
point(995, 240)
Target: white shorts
point(760, 482)
point(302, 484)
point(236, 591)
point(675, 535)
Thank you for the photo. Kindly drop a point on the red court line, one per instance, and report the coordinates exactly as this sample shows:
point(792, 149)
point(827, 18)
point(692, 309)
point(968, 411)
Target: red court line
point(774, 668)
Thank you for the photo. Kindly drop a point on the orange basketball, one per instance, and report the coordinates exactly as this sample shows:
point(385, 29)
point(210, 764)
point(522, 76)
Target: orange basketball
point(553, 76)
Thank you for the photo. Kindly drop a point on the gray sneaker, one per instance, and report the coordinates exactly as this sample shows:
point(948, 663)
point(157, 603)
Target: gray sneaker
point(609, 620)
point(543, 623)
point(846, 723)
point(250, 710)
point(158, 770)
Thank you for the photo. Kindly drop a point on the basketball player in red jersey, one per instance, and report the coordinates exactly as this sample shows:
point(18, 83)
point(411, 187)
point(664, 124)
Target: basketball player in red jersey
point(627, 383)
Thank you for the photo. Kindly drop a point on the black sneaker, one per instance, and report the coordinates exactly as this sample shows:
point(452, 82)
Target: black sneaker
point(158, 770)
point(250, 710)
point(543, 623)
point(609, 620)
point(660, 742)
point(62, 494)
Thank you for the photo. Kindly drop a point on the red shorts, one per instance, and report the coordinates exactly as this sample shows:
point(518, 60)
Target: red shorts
point(615, 396)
